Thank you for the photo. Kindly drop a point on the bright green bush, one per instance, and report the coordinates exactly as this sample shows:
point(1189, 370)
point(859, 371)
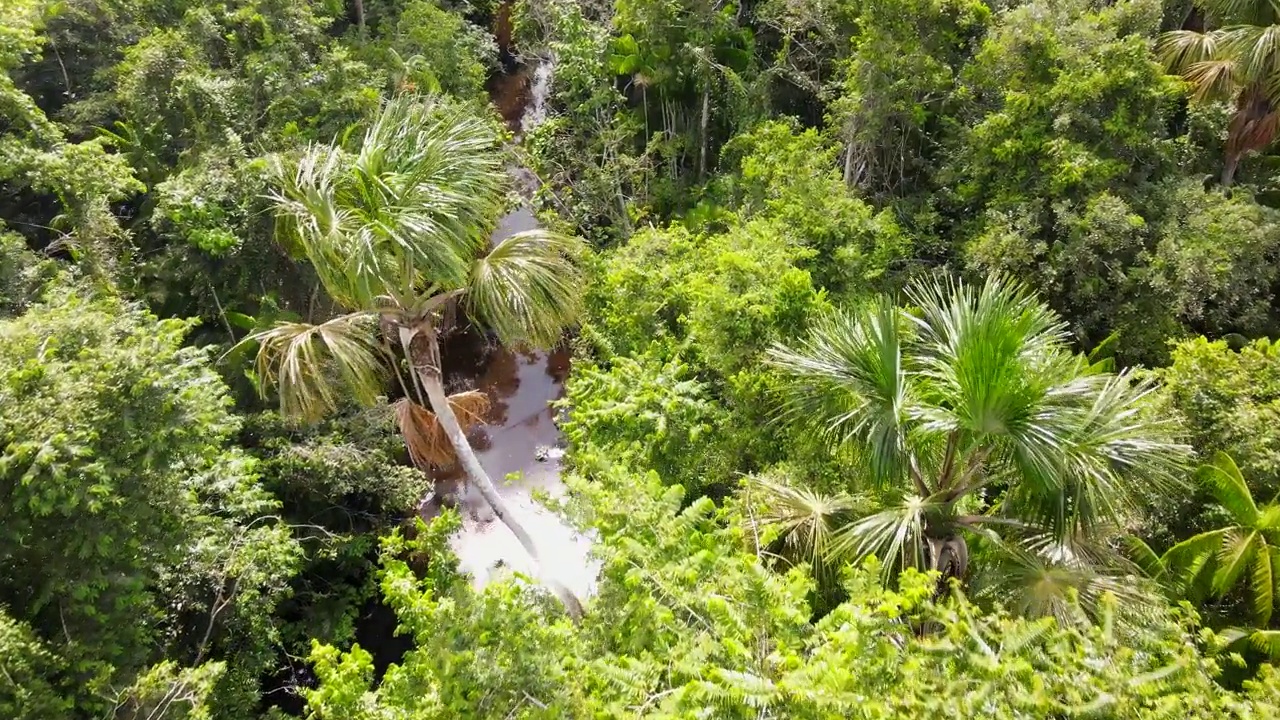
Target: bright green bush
point(688, 622)
point(129, 524)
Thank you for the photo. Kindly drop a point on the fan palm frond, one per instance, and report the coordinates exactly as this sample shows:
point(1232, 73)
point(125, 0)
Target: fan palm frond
point(314, 368)
point(1253, 47)
point(409, 208)
point(425, 437)
point(527, 288)
point(974, 388)
point(990, 357)
point(1038, 584)
point(998, 369)
point(1213, 78)
point(1110, 453)
point(895, 535)
point(1225, 13)
point(805, 519)
point(1180, 49)
point(852, 386)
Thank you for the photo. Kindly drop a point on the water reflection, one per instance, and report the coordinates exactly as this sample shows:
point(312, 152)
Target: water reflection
point(520, 445)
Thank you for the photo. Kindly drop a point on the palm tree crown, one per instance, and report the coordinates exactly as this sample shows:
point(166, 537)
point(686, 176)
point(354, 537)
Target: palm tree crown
point(1238, 60)
point(398, 232)
point(970, 412)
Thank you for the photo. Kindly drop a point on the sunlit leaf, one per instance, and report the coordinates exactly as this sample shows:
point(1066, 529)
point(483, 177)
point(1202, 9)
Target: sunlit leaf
point(528, 287)
point(316, 368)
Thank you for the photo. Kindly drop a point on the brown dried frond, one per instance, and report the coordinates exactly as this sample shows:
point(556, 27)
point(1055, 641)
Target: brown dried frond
point(425, 437)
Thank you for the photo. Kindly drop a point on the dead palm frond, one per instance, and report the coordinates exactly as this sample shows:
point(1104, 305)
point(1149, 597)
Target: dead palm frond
point(425, 437)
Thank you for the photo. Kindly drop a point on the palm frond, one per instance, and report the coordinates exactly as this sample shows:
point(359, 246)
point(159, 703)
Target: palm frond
point(1110, 453)
point(1145, 558)
point(1224, 13)
point(1255, 48)
point(1038, 583)
point(314, 368)
point(1223, 477)
point(1212, 78)
point(1180, 49)
point(528, 287)
point(1262, 583)
point(1234, 556)
point(852, 388)
point(425, 438)
point(895, 535)
point(1266, 642)
point(1183, 556)
point(995, 366)
point(806, 520)
point(1238, 639)
point(410, 208)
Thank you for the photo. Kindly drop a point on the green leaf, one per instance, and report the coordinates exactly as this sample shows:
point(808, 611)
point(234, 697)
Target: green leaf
point(1263, 583)
point(1237, 551)
point(242, 321)
point(1228, 485)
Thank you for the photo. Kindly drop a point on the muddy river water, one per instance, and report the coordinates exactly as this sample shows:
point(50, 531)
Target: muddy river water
point(520, 447)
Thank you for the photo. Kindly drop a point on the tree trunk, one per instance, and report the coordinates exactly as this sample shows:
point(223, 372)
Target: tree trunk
point(1229, 169)
point(706, 117)
point(360, 16)
point(848, 163)
point(949, 556)
point(428, 369)
point(644, 99)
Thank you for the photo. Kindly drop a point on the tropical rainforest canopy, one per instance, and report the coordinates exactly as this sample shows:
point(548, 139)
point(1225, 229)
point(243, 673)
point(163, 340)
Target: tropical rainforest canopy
point(917, 359)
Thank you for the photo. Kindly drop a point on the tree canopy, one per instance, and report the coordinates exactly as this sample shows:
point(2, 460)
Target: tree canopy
point(856, 358)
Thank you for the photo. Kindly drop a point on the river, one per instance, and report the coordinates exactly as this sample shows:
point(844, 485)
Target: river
point(520, 442)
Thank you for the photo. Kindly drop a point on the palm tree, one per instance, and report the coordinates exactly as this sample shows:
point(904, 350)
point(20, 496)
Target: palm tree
point(1240, 61)
point(398, 233)
point(1214, 564)
point(972, 416)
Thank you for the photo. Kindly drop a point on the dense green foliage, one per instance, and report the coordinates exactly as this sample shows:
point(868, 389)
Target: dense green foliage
point(924, 358)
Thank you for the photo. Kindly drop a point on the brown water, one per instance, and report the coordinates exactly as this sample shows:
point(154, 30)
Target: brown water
point(520, 446)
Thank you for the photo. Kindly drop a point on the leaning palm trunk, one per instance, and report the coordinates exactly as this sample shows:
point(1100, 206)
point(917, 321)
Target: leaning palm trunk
point(423, 350)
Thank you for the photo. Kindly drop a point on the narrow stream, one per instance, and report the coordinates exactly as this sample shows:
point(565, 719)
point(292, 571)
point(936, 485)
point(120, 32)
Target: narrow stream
point(521, 440)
